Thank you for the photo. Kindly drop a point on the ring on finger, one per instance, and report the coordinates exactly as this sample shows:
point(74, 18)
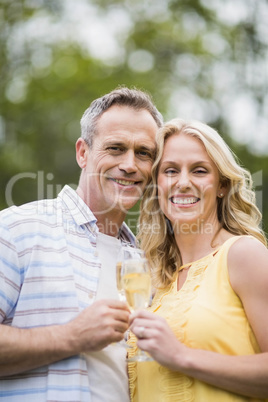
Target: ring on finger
point(141, 333)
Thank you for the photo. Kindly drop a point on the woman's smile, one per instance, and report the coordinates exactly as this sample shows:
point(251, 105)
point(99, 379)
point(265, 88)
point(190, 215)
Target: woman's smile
point(184, 201)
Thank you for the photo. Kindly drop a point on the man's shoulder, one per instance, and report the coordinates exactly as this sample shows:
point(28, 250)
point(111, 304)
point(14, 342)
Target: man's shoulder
point(29, 212)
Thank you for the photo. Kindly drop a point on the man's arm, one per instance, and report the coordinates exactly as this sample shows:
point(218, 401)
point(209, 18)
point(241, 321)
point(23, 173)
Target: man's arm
point(98, 325)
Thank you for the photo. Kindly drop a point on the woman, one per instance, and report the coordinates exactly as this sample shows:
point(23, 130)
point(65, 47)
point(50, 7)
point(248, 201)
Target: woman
point(200, 228)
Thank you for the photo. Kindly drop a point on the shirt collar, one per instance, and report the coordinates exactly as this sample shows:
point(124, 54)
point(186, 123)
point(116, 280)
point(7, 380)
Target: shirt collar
point(79, 210)
point(82, 214)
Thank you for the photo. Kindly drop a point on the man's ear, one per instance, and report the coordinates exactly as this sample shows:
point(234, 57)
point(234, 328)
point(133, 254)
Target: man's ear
point(81, 152)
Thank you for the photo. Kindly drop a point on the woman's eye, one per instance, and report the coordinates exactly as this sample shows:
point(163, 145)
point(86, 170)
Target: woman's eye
point(170, 171)
point(200, 171)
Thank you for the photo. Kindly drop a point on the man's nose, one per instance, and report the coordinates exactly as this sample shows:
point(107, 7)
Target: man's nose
point(128, 162)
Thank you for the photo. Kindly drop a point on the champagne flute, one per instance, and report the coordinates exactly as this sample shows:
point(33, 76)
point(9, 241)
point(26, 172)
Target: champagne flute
point(136, 282)
point(120, 290)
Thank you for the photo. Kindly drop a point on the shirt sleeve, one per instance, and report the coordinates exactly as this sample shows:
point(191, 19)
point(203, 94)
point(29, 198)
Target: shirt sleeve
point(10, 282)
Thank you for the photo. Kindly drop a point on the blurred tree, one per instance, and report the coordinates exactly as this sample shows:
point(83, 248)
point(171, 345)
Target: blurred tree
point(203, 59)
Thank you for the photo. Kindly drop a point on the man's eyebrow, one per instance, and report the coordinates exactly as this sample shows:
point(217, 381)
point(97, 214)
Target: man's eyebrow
point(122, 143)
point(115, 142)
point(138, 147)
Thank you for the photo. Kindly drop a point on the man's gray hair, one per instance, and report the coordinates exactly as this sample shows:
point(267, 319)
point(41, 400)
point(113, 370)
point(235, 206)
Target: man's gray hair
point(121, 96)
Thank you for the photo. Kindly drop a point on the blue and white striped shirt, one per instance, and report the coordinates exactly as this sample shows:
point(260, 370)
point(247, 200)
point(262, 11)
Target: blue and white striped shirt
point(49, 272)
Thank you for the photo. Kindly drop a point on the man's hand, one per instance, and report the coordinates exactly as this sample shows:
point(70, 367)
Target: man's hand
point(104, 322)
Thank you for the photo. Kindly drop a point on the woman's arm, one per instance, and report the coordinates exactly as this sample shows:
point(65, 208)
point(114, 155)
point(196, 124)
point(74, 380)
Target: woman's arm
point(245, 375)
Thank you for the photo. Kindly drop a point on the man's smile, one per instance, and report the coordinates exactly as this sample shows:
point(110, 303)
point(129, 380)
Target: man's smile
point(124, 182)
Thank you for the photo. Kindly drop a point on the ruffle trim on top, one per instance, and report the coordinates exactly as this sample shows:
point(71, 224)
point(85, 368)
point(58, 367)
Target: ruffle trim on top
point(174, 385)
point(132, 366)
point(176, 314)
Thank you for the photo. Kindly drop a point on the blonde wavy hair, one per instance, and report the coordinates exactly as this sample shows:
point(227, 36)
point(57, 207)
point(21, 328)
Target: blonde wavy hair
point(237, 211)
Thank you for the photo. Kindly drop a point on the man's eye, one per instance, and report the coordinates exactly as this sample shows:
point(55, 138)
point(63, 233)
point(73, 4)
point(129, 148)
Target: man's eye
point(115, 149)
point(145, 154)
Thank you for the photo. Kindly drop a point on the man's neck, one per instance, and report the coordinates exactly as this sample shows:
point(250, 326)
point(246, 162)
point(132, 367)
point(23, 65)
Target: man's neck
point(109, 222)
point(109, 228)
point(108, 225)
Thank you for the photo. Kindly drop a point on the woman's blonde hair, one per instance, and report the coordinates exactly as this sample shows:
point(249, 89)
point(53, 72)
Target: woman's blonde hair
point(237, 211)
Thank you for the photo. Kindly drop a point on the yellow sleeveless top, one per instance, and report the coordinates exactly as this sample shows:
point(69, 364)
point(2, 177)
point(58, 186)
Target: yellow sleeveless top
point(206, 314)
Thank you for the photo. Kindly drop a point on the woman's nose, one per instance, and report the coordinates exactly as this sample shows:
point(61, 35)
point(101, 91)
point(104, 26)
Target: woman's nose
point(183, 181)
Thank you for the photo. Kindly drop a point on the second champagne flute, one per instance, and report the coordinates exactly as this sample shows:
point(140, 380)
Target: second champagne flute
point(120, 290)
point(136, 281)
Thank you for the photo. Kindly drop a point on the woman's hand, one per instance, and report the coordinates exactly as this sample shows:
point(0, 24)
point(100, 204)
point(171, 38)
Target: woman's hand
point(155, 337)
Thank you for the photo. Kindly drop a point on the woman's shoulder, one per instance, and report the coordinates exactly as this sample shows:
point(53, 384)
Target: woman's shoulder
point(242, 248)
point(247, 261)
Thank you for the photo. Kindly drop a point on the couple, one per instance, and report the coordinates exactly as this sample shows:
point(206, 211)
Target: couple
point(60, 313)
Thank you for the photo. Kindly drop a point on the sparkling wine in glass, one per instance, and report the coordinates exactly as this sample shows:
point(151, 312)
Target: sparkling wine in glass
point(136, 282)
point(121, 291)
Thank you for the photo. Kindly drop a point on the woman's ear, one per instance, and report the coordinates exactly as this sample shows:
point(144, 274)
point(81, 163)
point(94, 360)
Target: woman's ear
point(81, 152)
point(223, 189)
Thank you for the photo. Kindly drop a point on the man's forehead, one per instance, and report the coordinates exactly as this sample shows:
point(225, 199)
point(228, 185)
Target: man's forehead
point(120, 139)
point(121, 115)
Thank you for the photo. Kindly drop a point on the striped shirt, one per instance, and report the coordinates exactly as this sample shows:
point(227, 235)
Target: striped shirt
point(49, 272)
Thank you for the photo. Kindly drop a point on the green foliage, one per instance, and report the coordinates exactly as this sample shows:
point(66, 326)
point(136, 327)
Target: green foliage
point(178, 51)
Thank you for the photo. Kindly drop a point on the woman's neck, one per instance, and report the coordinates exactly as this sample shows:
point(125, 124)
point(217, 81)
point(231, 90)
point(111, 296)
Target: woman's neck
point(194, 246)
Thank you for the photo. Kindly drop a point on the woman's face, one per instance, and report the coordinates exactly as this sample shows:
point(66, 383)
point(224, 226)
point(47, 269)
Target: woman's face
point(188, 184)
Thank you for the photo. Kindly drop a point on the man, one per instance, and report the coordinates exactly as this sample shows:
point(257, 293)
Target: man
point(58, 302)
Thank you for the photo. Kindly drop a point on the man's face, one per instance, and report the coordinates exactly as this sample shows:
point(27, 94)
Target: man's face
point(118, 166)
